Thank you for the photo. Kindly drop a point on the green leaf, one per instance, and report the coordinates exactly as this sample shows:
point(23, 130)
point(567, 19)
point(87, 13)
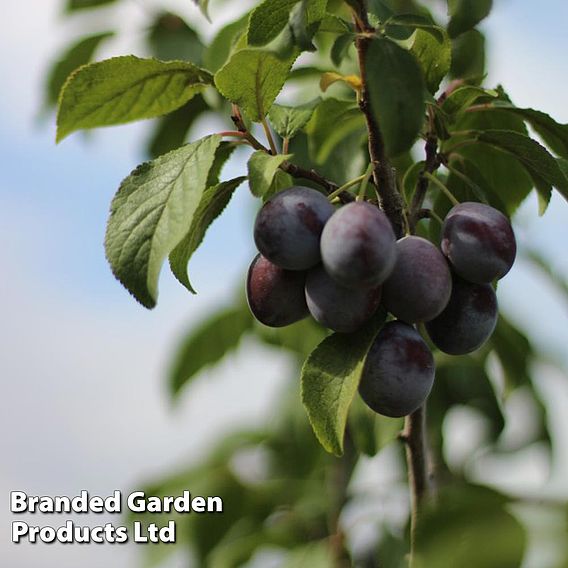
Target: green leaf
point(330, 378)
point(539, 163)
point(218, 51)
point(252, 78)
point(412, 22)
point(395, 87)
point(434, 54)
point(314, 555)
point(468, 56)
point(203, 5)
point(555, 135)
point(325, 134)
point(207, 344)
point(212, 204)
point(170, 38)
point(172, 130)
point(288, 121)
point(362, 427)
point(462, 98)
point(78, 54)
point(340, 48)
point(466, 14)
point(304, 22)
point(455, 529)
point(73, 5)
point(410, 180)
point(502, 171)
point(261, 171)
point(152, 212)
point(124, 89)
point(267, 20)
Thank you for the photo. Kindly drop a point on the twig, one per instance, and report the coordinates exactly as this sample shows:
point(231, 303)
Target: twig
point(414, 436)
point(269, 136)
point(383, 175)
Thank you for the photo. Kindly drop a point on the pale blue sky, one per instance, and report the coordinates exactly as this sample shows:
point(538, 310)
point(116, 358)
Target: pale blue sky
point(81, 371)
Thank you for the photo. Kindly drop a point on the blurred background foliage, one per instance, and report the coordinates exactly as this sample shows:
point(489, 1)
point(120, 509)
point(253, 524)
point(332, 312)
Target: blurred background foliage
point(286, 502)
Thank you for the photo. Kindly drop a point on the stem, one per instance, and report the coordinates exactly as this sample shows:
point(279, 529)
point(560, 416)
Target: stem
point(235, 133)
point(442, 187)
point(414, 436)
point(383, 175)
point(345, 186)
point(269, 136)
point(285, 145)
point(364, 183)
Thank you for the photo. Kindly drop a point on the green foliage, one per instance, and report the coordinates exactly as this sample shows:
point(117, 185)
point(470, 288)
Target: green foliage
point(288, 121)
point(396, 94)
point(330, 378)
point(152, 212)
point(218, 51)
point(252, 78)
point(78, 54)
point(214, 200)
point(434, 54)
point(124, 89)
point(170, 38)
point(465, 14)
point(267, 20)
point(456, 531)
point(73, 5)
point(468, 56)
point(262, 170)
point(208, 344)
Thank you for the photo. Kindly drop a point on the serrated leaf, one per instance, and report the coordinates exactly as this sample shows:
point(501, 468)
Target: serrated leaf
point(466, 14)
point(267, 20)
point(212, 204)
point(152, 212)
point(554, 134)
point(252, 78)
point(412, 22)
point(502, 171)
point(124, 89)
point(434, 54)
point(80, 53)
point(395, 90)
point(261, 171)
point(208, 344)
point(539, 163)
point(330, 378)
point(304, 22)
point(288, 121)
point(73, 5)
point(218, 51)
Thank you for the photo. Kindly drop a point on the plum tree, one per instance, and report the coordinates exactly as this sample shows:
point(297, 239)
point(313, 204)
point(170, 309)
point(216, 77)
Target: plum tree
point(420, 284)
point(289, 225)
point(338, 307)
point(479, 242)
point(468, 320)
point(358, 246)
point(275, 295)
point(398, 372)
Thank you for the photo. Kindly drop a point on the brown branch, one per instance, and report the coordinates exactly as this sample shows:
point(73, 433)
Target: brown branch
point(383, 174)
point(414, 436)
point(294, 170)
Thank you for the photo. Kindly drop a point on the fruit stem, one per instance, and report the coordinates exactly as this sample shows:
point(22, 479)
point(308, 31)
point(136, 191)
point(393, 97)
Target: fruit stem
point(235, 133)
point(442, 187)
point(414, 436)
point(383, 174)
point(285, 145)
point(269, 137)
point(345, 186)
point(364, 183)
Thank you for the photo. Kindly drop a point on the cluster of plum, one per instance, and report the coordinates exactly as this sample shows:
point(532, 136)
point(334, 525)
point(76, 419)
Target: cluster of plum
point(340, 265)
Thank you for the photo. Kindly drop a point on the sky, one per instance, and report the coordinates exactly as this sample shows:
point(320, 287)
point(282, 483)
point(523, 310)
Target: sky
point(82, 366)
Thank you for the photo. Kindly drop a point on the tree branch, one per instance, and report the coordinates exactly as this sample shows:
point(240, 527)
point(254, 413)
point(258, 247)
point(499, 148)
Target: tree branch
point(383, 174)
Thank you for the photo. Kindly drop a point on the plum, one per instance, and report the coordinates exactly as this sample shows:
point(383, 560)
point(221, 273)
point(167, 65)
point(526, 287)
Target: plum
point(479, 242)
point(420, 284)
point(468, 320)
point(275, 296)
point(358, 246)
point(288, 227)
point(399, 371)
point(338, 307)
